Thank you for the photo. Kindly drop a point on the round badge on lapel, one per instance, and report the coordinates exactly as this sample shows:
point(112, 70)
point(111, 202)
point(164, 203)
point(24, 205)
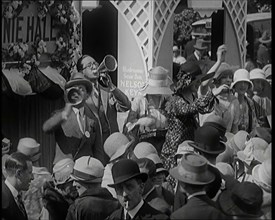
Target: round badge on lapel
point(87, 134)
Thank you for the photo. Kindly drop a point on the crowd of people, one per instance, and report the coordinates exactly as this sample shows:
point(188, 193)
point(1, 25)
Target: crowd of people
point(197, 146)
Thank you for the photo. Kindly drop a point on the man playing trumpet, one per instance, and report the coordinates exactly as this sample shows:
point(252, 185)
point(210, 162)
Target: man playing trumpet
point(75, 127)
point(106, 99)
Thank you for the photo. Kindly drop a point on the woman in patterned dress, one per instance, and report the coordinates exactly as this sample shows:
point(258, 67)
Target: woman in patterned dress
point(182, 111)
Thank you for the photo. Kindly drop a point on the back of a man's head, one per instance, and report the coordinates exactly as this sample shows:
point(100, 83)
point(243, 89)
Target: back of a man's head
point(16, 161)
point(79, 65)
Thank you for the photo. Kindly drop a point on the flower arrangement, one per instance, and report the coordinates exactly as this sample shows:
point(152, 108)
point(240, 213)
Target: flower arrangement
point(65, 18)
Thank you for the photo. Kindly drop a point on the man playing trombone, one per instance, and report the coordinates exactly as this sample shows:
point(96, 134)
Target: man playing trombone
point(106, 99)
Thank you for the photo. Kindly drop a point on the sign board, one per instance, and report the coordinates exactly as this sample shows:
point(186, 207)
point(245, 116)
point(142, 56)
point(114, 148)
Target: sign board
point(27, 27)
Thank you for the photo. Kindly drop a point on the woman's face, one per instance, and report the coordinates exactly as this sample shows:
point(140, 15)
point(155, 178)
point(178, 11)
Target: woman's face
point(258, 86)
point(227, 80)
point(241, 87)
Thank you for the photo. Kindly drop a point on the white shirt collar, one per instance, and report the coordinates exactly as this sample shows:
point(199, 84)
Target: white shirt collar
point(196, 194)
point(135, 210)
point(14, 192)
point(76, 110)
point(196, 55)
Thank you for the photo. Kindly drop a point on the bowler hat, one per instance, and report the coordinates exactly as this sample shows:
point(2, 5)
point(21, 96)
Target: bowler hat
point(88, 169)
point(207, 139)
point(29, 147)
point(79, 79)
point(193, 169)
point(241, 75)
point(245, 199)
point(200, 44)
point(124, 170)
point(216, 121)
point(158, 82)
point(62, 171)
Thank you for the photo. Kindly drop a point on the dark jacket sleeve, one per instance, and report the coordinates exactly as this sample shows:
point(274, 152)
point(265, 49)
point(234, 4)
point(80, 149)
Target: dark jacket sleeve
point(123, 103)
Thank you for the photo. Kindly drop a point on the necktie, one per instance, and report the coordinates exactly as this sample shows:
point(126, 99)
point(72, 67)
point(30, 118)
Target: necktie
point(96, 96)
point(128, 216)
point(21, 204)
point(81, 121)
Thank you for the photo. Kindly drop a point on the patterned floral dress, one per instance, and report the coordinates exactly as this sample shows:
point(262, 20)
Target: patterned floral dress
point(182, 124)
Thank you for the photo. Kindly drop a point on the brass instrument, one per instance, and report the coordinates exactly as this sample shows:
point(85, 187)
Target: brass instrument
point(108, 64)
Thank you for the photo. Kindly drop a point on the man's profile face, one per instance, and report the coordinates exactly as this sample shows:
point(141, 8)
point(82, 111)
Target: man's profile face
point(129, 193)
point(90, 68)
point(25, 177)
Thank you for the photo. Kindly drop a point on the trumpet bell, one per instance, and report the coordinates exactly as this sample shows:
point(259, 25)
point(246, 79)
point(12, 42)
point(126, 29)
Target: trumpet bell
point(108, 64)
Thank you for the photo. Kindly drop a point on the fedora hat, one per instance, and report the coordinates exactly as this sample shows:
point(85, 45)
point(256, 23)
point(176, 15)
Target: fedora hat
point(124, 170)
point(142, 149)
point(241, 75)
point(159, 165)
point(193, 169)
point(265, 38)
point(255, 149)
point(208, 140)
point(158, 82)
point(217, 122)
point(261, 174)
point(62, 171)
point(200, 45)
point(88, 169)
point(29, 147)
point(244, 199)
point(184, 148)
point(79, 79)
point(114, 142)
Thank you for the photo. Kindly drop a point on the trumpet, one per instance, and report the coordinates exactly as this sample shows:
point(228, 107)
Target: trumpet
point(109, 64)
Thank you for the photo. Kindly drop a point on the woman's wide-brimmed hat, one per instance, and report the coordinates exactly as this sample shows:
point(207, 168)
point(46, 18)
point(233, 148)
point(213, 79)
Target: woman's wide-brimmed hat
point(259, 74)
point(241, 75)
point(79, 79)
point(267, 71)
point(158, 82)
point(29, 147)
point(200, 44)
point(261, 174)
point(245, 199)
point(208, 140)
point(124, 170)
point(193, 169)
point(265, 38)
point(88, 169)
point(62, 171)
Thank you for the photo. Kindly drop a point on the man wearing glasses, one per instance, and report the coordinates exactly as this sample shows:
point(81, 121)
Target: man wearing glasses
point(104, 102)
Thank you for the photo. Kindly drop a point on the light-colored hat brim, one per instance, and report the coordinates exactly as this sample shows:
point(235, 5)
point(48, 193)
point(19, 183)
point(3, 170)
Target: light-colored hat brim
point(120, 151)
point(255, 175)
point(158, 90)
point(264, 41)
point(200, 48)
point(242, 80)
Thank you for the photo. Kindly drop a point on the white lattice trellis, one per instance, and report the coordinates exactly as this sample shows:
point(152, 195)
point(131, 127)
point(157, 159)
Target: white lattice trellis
point(238, 10)
point(148, 21)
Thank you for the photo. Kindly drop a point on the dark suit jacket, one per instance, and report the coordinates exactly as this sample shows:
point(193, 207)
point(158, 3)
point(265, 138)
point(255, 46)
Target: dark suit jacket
point(199, 207)
point(10, 209)
point(146, 212)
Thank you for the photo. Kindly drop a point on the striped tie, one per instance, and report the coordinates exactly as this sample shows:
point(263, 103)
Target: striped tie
point(21, 204)
point(96, 96)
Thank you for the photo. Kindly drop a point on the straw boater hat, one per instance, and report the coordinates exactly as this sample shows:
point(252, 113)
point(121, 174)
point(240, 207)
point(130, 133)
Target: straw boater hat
point(242, 75)
point(29, 147)
point(245, 199)
point(88, 169)
point(261, 174)
point(78, 79)
point(158, 82)
point(124, 170)
point(62, 171)
point(207, 139)
point(193, 169)
point(200, 45)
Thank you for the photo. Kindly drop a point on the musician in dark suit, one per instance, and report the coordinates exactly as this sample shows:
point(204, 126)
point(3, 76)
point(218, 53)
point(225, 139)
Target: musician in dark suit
point(75, 127)
point(194, 175)
point(19, 175)
point(129, 186)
